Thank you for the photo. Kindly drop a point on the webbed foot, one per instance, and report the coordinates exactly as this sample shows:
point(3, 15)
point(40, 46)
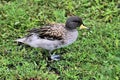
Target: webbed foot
point(55, 57)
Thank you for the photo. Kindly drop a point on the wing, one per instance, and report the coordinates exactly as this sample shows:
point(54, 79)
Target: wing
point(51, 32)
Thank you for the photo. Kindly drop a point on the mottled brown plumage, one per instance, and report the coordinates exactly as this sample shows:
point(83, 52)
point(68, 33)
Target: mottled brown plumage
point(51, 32)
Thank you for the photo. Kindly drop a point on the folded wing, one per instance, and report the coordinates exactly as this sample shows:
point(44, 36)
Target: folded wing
point(51, 32)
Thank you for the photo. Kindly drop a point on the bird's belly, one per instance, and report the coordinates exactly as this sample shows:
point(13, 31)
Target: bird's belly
point(45, 44)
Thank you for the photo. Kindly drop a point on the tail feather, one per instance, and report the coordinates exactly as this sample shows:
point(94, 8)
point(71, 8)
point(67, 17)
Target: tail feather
point(21, 40)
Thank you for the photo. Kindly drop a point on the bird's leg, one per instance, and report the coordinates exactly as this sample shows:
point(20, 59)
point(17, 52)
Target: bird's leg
point(53, 56)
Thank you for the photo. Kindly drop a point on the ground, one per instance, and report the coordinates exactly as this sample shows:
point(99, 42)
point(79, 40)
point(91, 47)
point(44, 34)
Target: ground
point(94, 56)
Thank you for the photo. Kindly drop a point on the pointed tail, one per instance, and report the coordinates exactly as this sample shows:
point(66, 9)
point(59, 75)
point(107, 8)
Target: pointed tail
point(21, 40)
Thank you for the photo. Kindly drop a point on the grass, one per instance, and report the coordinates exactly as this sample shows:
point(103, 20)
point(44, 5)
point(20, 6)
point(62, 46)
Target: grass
point(94, 56)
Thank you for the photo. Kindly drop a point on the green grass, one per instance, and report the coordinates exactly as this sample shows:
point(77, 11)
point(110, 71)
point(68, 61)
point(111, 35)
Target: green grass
point(94, 56)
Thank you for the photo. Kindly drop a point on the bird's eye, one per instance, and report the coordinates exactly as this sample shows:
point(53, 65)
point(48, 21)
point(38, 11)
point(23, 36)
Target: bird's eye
point(77, 21)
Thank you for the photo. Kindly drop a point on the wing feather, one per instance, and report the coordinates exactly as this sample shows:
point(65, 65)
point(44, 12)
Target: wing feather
point(52, 32)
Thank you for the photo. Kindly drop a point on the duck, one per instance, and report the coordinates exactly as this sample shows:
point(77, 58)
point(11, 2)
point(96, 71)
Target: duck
point(54, 36)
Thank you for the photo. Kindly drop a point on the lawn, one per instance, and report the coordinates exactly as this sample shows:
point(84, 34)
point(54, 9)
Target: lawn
point(94, 56)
